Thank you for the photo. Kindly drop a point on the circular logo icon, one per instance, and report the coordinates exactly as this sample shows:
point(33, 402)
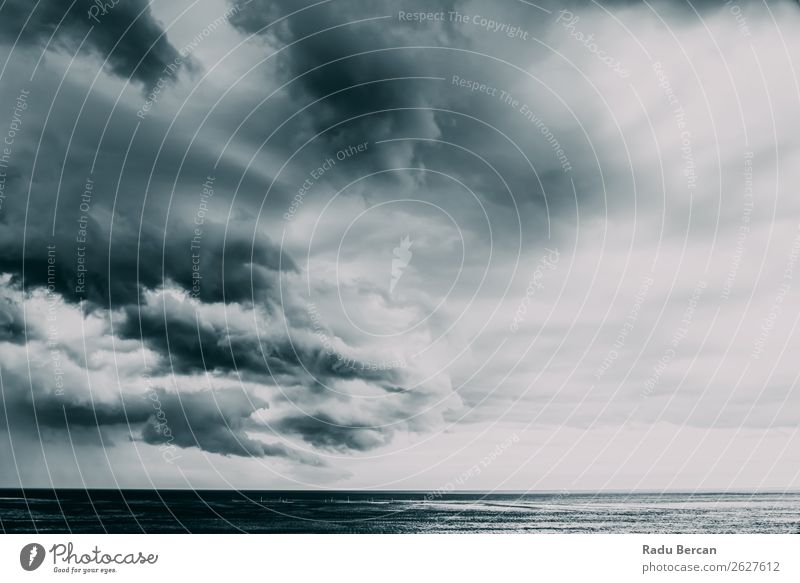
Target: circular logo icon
point(31, 556)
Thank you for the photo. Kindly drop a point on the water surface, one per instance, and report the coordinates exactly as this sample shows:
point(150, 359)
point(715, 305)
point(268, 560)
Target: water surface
point(217, 511)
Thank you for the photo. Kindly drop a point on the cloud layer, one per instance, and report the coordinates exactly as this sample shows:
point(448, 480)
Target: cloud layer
point(350, 246)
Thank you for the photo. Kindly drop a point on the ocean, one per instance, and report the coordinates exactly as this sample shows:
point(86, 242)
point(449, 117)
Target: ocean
point(223, 511)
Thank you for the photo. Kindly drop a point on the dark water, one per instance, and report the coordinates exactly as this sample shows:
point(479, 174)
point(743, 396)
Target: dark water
point(213, 511)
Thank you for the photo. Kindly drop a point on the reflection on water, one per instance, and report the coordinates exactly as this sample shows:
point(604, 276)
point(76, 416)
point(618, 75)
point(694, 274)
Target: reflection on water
point(395, 512)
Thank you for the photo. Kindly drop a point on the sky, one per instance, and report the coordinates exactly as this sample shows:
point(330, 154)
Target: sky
point(399, 245)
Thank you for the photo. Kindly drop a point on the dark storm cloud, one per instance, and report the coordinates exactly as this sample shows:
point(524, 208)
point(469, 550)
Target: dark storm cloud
point(324, 63)
point(323, 431)
point(329, 57)
point(12, 326)
point(29, 408)
point(127, 34)
point(343, 65)
point(214, 421)
point(234, 265)
point(191, 343)
point(50, 411)
point(98, 210)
